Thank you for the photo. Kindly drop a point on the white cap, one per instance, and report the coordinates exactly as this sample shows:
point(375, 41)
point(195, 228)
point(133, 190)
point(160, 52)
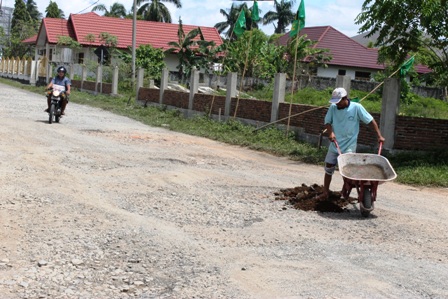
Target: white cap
point(337, 95)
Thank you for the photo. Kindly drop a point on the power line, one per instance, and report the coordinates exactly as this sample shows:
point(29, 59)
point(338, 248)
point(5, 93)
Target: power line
point(88, 7)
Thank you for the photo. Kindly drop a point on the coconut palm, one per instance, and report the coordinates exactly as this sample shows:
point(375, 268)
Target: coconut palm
point(283, 14)
point(156, 11)
point(116, 10)
point(231, 16)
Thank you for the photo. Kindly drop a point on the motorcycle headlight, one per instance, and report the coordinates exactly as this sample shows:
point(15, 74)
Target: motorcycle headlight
point(56, 93)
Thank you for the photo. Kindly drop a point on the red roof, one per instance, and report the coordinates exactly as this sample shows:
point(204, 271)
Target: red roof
point(344, 50)
point(56, 28)
point(157, 34)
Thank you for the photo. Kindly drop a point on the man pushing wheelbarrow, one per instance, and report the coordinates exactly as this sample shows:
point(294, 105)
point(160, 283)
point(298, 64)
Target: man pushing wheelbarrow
point(342, 122)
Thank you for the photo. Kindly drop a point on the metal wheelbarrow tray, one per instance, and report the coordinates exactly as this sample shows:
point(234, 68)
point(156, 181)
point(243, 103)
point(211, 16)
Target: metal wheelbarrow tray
point(365, 167)
point(364, 172)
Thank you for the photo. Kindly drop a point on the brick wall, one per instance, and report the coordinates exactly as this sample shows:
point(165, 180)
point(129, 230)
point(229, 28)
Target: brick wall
point(412, 133)
point(90, 85)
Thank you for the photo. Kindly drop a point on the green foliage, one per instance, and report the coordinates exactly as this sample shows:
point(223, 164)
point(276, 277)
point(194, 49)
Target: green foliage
point(265, 58)
point(116, 10)
point(421, 168)
point(149, 58)
point(22, 27)
point(69, 42)
point(156, 11)
point(283, 15)
point(188, 53)
point(53, 11)
point(231, 15)
point(409, 26)
point(33, 11)
point(109, 40)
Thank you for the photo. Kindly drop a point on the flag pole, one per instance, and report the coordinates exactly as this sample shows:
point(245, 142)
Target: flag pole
point(244, 72)
point(293, 82)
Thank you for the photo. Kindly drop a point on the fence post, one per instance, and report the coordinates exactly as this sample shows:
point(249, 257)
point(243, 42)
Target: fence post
point(163, 84)
point(140, 76)
point(115, 81)
point(99, 78)
point(389, 110)
point(194, 83)
point(83, 76)
point(279, 94)
point(231, 93)
point(72, 71)
point(344, 81)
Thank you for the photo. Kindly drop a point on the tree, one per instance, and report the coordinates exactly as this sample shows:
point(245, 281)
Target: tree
point(283, 14)
point(117, 10)
point(231, 16)
point(409, 27)
point(34, 13)
point(19, 15)
point(148, 58)
point(156, 11)
point(53, 11)
point(22, 27)
point(185, 51)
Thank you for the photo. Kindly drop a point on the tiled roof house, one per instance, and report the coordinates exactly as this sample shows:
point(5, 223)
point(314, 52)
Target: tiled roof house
point(80, 26)
point(349, 57)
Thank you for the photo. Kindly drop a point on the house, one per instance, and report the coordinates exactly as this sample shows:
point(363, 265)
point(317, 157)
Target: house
point(86, 29)
point(349, 57)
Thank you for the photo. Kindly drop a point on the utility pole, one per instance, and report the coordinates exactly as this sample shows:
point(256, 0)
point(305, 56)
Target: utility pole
point(134, 37)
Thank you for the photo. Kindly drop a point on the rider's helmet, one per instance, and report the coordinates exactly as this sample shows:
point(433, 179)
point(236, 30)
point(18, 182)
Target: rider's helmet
point(62, 69)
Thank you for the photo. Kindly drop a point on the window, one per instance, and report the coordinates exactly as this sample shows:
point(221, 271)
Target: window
point(362, 76)
point(81, 58)
point(342, 72)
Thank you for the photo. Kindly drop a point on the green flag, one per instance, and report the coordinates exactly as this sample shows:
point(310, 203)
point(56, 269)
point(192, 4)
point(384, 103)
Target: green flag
point(240, 25)
point(299, 22)
point(255, 12)
point(405, 67)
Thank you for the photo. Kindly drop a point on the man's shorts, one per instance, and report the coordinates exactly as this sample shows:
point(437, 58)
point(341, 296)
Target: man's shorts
point(331, 158)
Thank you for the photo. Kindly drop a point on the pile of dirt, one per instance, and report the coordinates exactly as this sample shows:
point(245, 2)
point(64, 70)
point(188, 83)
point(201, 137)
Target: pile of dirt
point(306, 198)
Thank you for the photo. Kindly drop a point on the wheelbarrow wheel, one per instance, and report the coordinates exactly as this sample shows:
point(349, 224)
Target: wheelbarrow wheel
point(366, 202)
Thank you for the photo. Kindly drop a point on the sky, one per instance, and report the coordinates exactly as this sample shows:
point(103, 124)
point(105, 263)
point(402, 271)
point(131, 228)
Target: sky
point(339, 14)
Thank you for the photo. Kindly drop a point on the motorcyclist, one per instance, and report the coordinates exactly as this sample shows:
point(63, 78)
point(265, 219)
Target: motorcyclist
point(62, 82)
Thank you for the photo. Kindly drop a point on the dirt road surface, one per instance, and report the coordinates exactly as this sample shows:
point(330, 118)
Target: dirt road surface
point(101, 206)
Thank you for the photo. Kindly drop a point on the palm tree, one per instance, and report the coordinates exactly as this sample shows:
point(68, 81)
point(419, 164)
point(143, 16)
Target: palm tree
point(231, 16)
point(185, 50)
point(117, 10)
point(156, 10)
point(282, 14)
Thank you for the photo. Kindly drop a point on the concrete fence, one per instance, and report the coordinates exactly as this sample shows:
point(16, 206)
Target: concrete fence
point(401, 133)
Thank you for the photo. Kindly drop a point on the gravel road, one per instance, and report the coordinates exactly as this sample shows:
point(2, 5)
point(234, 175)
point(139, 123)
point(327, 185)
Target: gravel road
point(101, 206)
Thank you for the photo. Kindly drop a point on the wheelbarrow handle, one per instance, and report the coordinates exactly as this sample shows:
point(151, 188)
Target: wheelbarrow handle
point(337, 146)
point(339, 149)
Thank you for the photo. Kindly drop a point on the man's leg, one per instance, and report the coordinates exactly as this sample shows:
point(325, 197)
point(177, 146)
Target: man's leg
point(329, 170)
point(63, 105)
point(330, 164)
point(48, 104)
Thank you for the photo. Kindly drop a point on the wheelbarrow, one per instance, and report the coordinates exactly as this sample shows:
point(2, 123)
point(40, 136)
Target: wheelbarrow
point(364, 172)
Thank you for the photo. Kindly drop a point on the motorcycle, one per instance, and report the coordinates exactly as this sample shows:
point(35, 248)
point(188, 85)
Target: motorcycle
point(55, 111)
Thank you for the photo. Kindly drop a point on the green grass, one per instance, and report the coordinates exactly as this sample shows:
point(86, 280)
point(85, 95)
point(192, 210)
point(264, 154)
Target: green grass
point(413, 168)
